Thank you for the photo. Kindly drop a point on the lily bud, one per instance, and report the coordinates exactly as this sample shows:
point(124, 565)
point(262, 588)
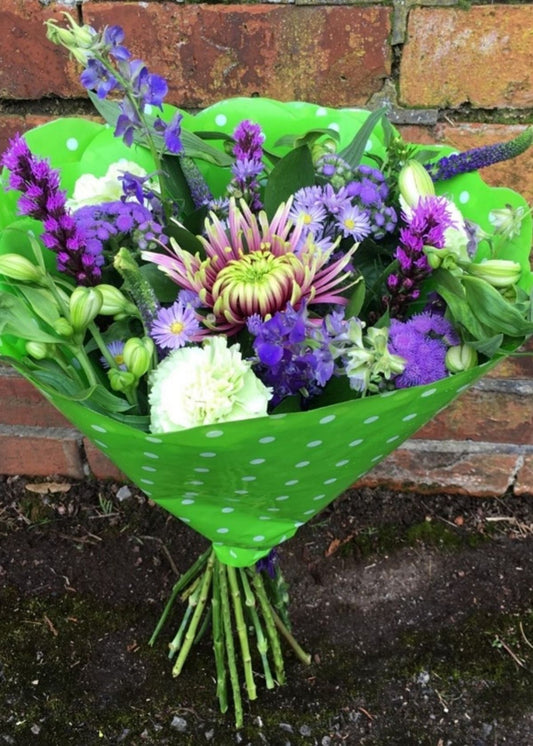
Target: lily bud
point(39, 350)
point(77, 39)
point(17, 267)
point(85, 305)
point(460, 357)
point(138, 354)
point(115, 302)
point(500, 273)
point(120, 380)
point(61, 326)
point(414, 182)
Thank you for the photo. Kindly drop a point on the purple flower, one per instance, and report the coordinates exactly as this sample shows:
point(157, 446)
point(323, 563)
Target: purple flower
point(353, 223)
point(248, 165)
point(422, 341)
point(43, 200)
point(116, 348)
point(176, 325)
point(172, 134)
point(96, 77)
point(113, 38)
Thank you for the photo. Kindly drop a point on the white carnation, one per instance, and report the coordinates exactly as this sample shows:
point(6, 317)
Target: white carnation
point(93, 190)
point(202, 385)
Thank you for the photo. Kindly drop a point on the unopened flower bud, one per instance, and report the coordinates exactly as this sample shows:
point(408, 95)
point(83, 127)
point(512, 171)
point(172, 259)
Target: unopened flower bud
point(121, 380)
point(77, 39)
point(414, 182)
point(17, 267)
point(63, 327)
point(138, 354)
point(39, 350)
point(85, 305)
point(115, 302)
point(460, 357)
point(500, 273)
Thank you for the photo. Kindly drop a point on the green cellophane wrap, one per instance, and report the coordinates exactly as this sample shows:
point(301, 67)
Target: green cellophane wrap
point(248, 485)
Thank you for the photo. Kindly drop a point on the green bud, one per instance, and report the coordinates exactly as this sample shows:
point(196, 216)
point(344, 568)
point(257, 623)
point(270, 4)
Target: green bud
point(115, 302)
point(461, 357)
point(500, 273)
point(17, 267)
point(414, 182)
point(138, 354)
point(77, 39)
point(62, 327)
point(85, 305)
point(121, 380)
point(39, 350)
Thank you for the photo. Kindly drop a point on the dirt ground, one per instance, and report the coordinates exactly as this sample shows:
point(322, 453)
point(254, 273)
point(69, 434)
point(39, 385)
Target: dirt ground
point(418, 611)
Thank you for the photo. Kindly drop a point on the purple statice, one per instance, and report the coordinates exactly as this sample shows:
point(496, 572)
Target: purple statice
point(42, 199)
point(248, 165)
point(292, 354)
point(110, 225)
point(422, 341)
point(177, 325)
point(426, 226)
point(477, 158)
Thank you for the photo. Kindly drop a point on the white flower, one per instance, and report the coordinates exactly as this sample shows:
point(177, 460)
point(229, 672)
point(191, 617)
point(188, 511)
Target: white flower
point(202, 385)
point(91, 190)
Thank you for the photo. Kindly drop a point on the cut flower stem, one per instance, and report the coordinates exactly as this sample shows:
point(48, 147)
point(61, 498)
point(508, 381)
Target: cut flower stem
point(238, 605)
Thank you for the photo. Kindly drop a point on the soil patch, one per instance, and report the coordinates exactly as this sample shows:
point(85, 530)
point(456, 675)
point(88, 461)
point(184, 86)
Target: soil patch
point(417, 610)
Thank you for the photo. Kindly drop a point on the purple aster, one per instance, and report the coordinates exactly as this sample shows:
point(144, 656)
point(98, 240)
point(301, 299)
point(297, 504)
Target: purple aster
point(116, 348)
point(43, 200)
point(353, 223)
point(422, 341)
point(176, 326)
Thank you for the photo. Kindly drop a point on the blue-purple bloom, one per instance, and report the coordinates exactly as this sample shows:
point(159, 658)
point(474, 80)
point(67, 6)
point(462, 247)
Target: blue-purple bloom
point(293, 355)
point(248, 165)
point(422, 341)
point(115, 348)
point(177, 325)
point(42, 199)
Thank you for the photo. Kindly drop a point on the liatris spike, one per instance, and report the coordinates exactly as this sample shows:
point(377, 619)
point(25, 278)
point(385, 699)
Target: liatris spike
point(43, 200)
point(473, 160)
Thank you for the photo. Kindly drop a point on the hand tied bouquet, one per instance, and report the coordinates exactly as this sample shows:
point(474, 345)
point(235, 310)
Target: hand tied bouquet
point(247, 309)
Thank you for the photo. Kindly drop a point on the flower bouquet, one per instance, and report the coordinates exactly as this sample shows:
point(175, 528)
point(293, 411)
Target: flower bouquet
point(246, 310)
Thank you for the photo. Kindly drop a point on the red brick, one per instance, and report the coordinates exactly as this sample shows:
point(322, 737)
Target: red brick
point(333, 55)
point(22, 404)
point(484, 415)
point(431, 471)
point(480, 56)
point(42, 452)
point(524, 478)
point(31, 66)
point(100, 466)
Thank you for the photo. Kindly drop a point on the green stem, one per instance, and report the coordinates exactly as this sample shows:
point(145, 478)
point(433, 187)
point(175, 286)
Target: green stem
point(261, 641)
point(242, 633)
point(270, 625)
point(218, 644)
point(230, 650)
point(300, 653)
point(177, 588)
point(200, 606)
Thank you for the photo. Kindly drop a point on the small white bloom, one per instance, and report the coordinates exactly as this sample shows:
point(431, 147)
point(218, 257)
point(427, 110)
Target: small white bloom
point(203, 385)
point(93, 190)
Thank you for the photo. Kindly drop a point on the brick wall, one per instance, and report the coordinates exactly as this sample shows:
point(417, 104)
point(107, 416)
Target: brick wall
point(447, 71)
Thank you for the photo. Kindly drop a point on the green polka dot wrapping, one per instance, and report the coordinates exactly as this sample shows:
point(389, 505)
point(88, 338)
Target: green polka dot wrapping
point(248, 485)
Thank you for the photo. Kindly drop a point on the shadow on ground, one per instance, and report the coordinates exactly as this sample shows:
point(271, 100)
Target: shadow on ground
point(417, 610)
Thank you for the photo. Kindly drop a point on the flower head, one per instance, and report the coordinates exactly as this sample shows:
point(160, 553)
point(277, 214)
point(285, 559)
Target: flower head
point(256, 266)
point(203, 385)
point(176, 325)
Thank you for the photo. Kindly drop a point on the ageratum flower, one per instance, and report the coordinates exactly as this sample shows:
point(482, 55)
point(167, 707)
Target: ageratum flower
point(254, 266)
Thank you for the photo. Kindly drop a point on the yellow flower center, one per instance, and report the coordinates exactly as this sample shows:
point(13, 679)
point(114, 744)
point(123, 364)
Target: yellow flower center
point(176, 327)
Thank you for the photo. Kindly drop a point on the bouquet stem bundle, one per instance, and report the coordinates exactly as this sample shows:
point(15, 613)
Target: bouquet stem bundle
point(243, 606)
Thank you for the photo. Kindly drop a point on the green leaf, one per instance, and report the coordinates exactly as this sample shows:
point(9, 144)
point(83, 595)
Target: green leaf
point(17, 319)
point(357, 299)
point(493, 311)
point(354, 152)
point(175, 182)
point(165, 289)
point(294, 171)
point(309, 138)
point(42, 302)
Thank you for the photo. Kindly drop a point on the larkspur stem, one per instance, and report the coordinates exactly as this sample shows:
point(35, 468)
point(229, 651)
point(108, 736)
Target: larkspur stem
point(200, 606)
point(272, 633)
point(230, 649)
point(242, 633)
point(176, 590)
point(218, 644)
point(261, 641)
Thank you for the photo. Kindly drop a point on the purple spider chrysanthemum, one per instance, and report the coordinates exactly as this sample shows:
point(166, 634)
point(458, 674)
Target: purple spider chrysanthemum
point(176, 326)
